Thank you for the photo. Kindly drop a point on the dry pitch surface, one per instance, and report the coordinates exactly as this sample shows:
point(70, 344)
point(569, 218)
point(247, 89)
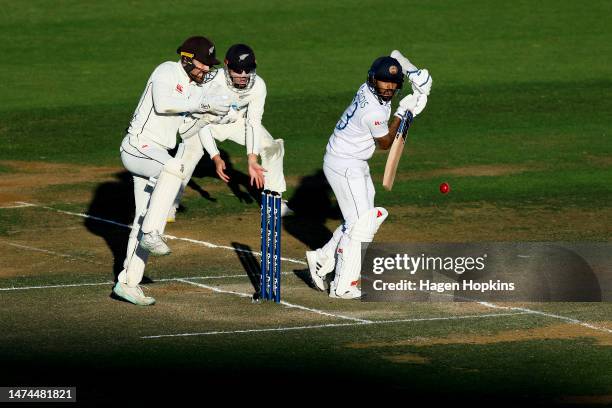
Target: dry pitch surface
point(56, 273)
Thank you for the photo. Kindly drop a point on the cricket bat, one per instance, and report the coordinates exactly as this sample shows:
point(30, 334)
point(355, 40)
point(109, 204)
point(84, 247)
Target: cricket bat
point(395, 153)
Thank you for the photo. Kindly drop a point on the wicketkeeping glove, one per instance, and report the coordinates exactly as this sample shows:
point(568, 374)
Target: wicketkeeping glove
point(230, 117)
point(215, 104)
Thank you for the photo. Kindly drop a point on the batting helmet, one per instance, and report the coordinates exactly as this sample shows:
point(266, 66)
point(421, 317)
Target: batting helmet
point(385, 69)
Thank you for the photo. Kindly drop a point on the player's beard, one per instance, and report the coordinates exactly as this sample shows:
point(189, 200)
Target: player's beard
point(386, 94)
point(240, 82)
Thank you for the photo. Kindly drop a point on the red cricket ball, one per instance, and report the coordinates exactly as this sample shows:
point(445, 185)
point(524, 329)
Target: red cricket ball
point(444, 188)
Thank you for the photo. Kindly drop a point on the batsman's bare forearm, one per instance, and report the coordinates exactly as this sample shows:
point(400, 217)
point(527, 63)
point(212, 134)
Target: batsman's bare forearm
point(386, 141)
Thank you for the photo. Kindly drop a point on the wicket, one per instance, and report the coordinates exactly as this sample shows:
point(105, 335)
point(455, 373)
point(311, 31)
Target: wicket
point(270, 282)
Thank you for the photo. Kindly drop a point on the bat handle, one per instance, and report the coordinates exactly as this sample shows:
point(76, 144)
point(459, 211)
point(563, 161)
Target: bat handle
point(405, 123)
point(409, 117)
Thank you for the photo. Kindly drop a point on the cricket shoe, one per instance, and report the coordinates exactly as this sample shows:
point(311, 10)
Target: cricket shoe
point(154, 243)
point(353, 293)
point(319, 265)
point(171, 215)
point(285, 210)
point(132, 294)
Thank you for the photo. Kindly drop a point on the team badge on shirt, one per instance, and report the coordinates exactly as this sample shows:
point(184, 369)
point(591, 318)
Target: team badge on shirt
point(179, 88)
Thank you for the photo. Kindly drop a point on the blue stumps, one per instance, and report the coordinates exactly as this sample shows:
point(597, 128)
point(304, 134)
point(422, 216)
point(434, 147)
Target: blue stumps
point(270, 282)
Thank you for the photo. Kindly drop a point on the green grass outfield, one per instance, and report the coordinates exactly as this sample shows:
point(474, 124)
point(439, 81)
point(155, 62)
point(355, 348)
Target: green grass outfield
point(518, 123)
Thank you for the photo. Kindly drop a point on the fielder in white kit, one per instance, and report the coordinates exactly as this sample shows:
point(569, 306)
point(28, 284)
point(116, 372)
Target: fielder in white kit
point(247, 93)
point(173, 90)
point(362, 127)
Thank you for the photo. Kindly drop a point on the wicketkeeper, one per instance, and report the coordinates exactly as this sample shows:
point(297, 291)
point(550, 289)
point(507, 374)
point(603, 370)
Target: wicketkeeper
point(173, 90)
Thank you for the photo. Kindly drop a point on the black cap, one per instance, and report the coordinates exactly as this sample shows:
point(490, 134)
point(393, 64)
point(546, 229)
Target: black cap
point(387, 69)
point(240, 57)
point(199, 48)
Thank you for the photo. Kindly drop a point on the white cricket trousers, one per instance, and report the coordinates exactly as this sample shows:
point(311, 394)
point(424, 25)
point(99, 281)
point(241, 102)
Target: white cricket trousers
point(145, 160)
point(352, 185)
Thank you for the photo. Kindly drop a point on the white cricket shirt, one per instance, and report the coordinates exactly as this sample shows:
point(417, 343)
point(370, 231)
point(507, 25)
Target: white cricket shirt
point(169, 94)
point(364, 120)
point(250, 105)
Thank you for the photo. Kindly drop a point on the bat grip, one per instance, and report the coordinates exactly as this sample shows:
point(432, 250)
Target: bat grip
point(405, 124)
point(409, 117)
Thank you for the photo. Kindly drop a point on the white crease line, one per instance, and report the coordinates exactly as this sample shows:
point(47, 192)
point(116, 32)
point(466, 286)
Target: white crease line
point(46, 251)
point(272, 329)
point(19, 205)
point(201, 285)
point(56, 286)
point(193, 241)
point(92, 217)
point(323, 326)
point(244, 275)
point(292, 305)
point(431, 319)
point(211, 245)
point(287, 304)
point(554, 316)
point(75, 285)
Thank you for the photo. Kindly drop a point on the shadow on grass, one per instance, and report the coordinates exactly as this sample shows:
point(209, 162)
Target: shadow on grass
point(114, 201)
point(312, 206)
point(239, 184)
point(250, 264)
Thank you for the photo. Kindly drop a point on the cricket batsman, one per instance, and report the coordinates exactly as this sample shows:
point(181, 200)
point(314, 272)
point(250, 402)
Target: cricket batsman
point(242, 125)
point(363, 126)
point(174, 89)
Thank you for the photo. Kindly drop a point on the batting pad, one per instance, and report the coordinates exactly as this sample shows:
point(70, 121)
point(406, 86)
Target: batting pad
point(272, 160)
point(349, 251)
point(368, 224)
point(166, 189)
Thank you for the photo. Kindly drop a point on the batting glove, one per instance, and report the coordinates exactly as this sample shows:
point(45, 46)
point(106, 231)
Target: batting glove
point(407, 66)
point(415, 103)
point(421, 81)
